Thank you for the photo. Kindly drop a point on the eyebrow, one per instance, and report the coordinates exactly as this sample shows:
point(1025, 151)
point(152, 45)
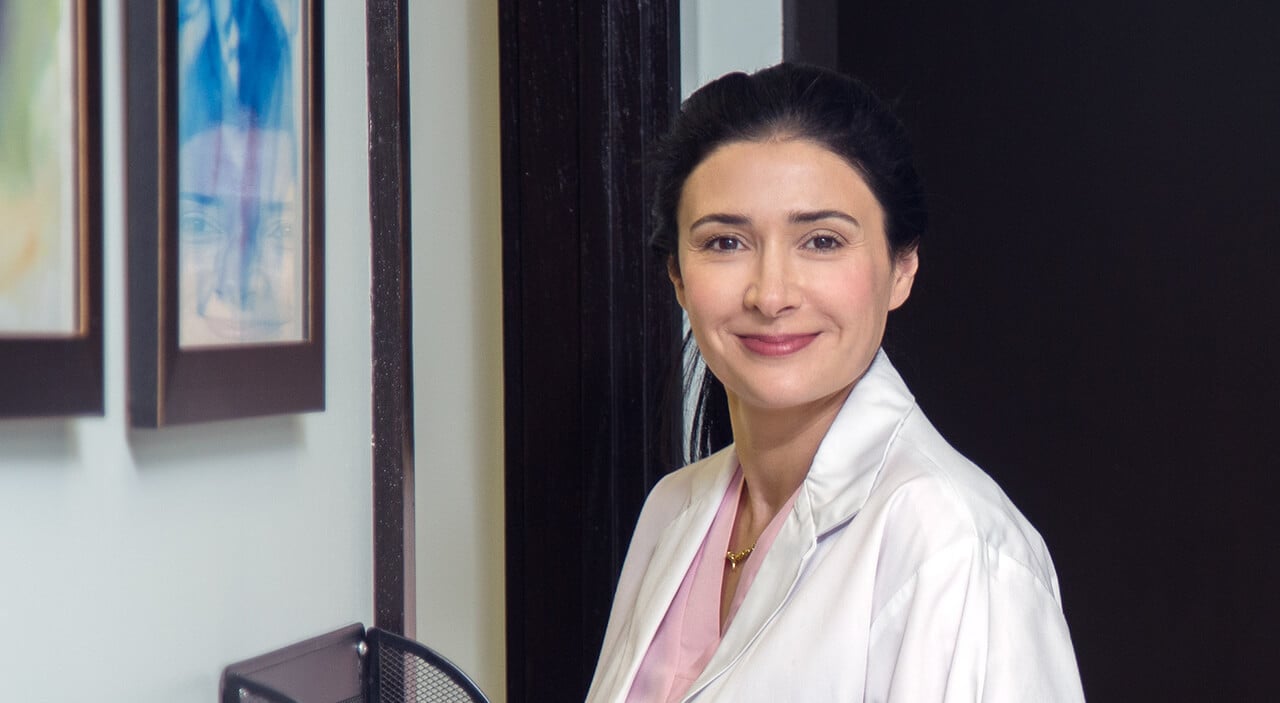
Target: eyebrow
point(270, 207)
point(811, 216)
point(799, 217)
point(721, 218)
point(197, 198)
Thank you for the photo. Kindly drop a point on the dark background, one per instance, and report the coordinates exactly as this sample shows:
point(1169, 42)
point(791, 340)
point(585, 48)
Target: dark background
point(1095, 319)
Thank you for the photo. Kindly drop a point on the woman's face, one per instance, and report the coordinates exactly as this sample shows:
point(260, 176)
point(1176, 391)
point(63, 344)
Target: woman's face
point(240, 247)
point(785, 272)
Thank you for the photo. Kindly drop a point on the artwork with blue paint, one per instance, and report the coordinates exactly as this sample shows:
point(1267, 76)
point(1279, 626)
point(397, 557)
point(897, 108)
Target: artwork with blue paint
point(241, 250)
point(38, 113)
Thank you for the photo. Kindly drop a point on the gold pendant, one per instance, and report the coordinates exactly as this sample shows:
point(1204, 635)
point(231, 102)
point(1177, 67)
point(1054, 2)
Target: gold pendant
point(735, 558)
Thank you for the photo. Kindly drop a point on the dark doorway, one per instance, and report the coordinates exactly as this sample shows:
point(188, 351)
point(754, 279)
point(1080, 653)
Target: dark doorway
point(588, 318)
point(1095, 322)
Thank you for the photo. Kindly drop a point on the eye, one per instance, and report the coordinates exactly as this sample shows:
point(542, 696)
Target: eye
point(723, 243)
point(823, 241)
point(279, 230)
point(200, 225)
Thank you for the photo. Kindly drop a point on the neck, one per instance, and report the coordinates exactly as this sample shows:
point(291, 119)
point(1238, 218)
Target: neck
point(776, 447)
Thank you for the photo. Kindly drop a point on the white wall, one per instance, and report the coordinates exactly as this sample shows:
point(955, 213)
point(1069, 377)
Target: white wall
point(457, 342)
point(137, 564)
point(721, 36)
point(457, 302)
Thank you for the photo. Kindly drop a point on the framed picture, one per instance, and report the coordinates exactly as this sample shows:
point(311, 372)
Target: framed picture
point(225, 207)
point(50, 209)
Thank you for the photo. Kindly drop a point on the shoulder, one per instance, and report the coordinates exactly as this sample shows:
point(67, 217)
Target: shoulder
point(964, 577)
point(934, 502)
point(687, 489)
point(679, 489)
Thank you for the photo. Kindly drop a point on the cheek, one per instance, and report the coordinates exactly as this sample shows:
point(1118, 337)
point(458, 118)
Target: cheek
point(856, 286)
point(862, 300)
point(705, 300)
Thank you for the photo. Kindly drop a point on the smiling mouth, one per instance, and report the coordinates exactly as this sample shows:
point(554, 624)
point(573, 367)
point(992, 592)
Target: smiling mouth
point(776, 344)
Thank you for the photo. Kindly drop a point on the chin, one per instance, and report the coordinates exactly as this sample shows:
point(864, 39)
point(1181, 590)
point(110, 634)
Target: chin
point(784, 398)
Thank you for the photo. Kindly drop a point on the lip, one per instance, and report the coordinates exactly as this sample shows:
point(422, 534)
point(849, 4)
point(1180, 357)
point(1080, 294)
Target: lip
point(776, 344)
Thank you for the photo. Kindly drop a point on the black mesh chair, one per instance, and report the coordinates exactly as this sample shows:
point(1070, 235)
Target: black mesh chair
point(350, 665)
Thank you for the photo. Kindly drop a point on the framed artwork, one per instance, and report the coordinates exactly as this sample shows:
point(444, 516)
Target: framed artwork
point(225, 209)
point(50, 208)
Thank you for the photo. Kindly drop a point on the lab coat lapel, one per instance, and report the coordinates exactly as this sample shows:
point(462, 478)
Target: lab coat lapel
point(672, 555)
point(778, 575)
point(843, 472)
point(848, 462)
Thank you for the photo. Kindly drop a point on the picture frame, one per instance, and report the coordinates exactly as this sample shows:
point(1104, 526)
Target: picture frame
point(225, 209)
point(51, 350)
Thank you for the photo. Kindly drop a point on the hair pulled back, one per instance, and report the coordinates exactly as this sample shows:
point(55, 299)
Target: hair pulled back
point(793, 101)
point(783, 102)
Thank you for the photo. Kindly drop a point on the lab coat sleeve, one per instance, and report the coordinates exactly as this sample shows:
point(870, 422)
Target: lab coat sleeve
point(973, 624)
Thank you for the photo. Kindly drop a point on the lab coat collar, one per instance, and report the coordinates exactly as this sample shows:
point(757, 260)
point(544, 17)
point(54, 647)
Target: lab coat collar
point(672, 554)
point(839, 482)
point(851, 454)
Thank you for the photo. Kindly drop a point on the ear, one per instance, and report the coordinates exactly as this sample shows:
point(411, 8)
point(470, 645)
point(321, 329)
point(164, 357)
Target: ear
point(677, 282)
point(905, 266)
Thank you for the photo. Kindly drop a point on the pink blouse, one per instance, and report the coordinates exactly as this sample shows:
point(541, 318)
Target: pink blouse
point(690, 631)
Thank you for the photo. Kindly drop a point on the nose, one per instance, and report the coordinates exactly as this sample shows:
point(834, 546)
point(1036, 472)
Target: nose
point(229, 275)
point(774, 289)
point(237, 273)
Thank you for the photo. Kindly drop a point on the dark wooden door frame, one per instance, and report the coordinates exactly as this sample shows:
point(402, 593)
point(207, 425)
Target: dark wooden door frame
point(809, 32)
point(589, 320)
point(393, 506)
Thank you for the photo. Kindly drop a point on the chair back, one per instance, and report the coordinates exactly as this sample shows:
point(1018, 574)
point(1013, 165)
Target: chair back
point(404, 671)
point(325, 669)
point(350, 665)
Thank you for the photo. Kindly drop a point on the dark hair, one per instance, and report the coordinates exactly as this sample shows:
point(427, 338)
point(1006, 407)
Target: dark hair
point(786, 101)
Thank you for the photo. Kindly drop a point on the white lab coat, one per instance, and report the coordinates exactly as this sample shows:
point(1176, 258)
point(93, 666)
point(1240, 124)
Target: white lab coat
point(903, 573)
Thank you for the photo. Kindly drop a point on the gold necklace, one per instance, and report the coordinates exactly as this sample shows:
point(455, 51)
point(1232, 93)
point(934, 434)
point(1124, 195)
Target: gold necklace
point(735, 558)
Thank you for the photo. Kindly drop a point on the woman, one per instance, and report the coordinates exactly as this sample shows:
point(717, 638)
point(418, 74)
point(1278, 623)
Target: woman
point(839, 549)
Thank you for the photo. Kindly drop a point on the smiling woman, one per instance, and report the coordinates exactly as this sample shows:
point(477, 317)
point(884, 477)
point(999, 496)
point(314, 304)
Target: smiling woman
point(839, 549)
point(785, 272)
